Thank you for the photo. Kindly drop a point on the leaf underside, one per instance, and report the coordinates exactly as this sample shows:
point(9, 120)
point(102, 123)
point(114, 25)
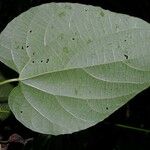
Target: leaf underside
point(77, 64)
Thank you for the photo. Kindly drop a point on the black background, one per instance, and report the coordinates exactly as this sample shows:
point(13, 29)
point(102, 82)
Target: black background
point(105, 135)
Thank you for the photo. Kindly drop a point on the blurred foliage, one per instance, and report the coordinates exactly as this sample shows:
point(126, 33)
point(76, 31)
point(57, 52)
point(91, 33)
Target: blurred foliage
point(4, 92)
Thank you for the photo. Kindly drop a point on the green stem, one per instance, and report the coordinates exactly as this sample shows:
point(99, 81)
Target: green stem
point(132, 128)
point(9, 81)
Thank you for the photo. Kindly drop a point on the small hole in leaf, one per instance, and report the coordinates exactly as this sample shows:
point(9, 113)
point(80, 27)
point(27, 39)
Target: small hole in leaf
point(27, 46)
point(126, 56)
point(33, 61)
point(22, 47)
point(30, 31)
point(47, 60)
point(106, 108)
point(21, 111)
point(73, 39)
point(41, 61)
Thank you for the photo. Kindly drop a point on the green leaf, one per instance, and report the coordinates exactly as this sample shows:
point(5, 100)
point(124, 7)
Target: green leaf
point(77, 64)
point(4, 92)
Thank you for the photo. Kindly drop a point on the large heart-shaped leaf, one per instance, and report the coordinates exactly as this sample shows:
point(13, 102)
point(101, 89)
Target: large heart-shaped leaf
point(77, 64)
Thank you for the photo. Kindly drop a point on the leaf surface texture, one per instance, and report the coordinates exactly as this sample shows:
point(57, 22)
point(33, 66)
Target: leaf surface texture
point(77, 64)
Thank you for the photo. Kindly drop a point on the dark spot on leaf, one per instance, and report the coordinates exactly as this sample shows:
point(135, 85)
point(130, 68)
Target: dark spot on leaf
point(73, 39)
point(76, 92)
point(27, 46)
point(30, 31)
point(33, 53)
point(21, 111)
point(33, 61)
point(41, 61)
point(22, 47)
point(106, 108)
point(125, 40)
point(47, 60)
point(65, 49)
point(86, 10)
point(126, 56)
point(102, 13)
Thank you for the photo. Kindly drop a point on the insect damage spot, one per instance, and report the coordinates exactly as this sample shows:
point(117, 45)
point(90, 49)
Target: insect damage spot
point(106, 108)
point(21, 112)
point(30, 31)
point(126, 56)
point(33, 53)
point(33, 61)
point(22, 47)
point(27, 46)
point(47, 60)
point(73, 39)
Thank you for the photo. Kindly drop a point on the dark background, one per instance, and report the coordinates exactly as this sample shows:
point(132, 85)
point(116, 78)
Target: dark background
point(105, 135)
